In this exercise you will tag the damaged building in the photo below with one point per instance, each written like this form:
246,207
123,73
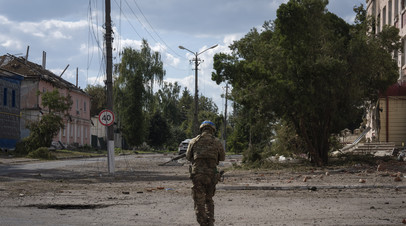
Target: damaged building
387,117
37,79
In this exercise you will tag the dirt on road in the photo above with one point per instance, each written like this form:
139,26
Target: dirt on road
143,193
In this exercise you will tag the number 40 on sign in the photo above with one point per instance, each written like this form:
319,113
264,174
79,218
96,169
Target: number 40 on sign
106,117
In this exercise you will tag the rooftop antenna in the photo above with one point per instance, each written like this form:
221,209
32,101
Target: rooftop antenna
44,59
64,70
26,55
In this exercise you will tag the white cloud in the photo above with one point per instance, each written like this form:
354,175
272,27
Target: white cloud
11,43
187,82
85,49
171,60
51,29
158,47
4,20
95,80
60,35
136,44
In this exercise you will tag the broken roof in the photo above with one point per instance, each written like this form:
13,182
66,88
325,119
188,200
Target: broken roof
10,76
32,70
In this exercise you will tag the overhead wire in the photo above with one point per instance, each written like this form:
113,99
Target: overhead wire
157,34
135,15
94,40
128,20
118,59
145,28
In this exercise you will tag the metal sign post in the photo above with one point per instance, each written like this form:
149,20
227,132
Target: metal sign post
106,118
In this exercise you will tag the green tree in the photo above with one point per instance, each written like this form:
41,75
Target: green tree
55,107
159,131
98,98
186,107
133,88
152,67
168,102
311,69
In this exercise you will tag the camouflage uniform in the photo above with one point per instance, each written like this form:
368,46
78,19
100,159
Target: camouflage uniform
204,151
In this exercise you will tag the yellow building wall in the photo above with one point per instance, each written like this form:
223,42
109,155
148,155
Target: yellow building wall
393,120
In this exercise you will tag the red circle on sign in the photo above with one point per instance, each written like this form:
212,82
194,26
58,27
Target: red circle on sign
106,117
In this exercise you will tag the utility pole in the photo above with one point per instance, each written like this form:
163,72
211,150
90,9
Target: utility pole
109,84
225,120
196,112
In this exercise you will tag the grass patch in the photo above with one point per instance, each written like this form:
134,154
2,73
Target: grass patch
87,153
62,154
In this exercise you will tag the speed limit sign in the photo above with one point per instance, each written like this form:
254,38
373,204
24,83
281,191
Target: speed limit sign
106,117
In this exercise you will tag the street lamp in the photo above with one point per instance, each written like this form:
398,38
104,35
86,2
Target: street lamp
195,114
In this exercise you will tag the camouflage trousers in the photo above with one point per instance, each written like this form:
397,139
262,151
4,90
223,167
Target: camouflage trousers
204,187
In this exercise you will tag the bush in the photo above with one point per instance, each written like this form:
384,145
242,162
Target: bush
286,142
41,153
22,148
252,154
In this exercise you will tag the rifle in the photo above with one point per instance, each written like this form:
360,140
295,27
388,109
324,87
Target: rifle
220,176
174,159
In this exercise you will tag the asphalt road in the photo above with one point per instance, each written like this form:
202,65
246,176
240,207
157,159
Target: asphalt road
81,192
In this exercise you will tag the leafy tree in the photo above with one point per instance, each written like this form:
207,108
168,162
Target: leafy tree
311,69
168,102
133,88
152,67
98,97
55,107
186,108
159,131
129,93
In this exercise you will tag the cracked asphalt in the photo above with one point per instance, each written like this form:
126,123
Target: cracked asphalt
82,192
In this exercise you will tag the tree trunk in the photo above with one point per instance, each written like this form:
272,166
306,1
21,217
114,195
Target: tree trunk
317,148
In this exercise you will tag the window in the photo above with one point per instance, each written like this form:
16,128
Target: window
77,104
390,12
396,7
13,98
403,52
5,97
86,132
378,24
84,106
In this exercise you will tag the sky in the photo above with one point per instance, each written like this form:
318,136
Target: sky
71,32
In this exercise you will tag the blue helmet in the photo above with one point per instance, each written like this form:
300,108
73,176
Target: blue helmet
209,124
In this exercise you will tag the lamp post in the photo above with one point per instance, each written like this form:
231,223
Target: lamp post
197,62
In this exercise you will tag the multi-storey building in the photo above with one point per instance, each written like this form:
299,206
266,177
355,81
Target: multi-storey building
37,79
392,13
387,118
10,84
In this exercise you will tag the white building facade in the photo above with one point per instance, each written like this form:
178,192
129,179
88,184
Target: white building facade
387,118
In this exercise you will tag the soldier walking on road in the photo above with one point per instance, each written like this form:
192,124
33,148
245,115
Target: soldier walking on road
205,151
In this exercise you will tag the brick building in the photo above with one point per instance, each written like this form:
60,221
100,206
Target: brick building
9,108
38,79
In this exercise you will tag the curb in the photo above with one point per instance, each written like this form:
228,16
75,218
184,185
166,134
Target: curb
312,188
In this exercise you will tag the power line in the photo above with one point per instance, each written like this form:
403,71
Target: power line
157,34
95,39
140,21
132,26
